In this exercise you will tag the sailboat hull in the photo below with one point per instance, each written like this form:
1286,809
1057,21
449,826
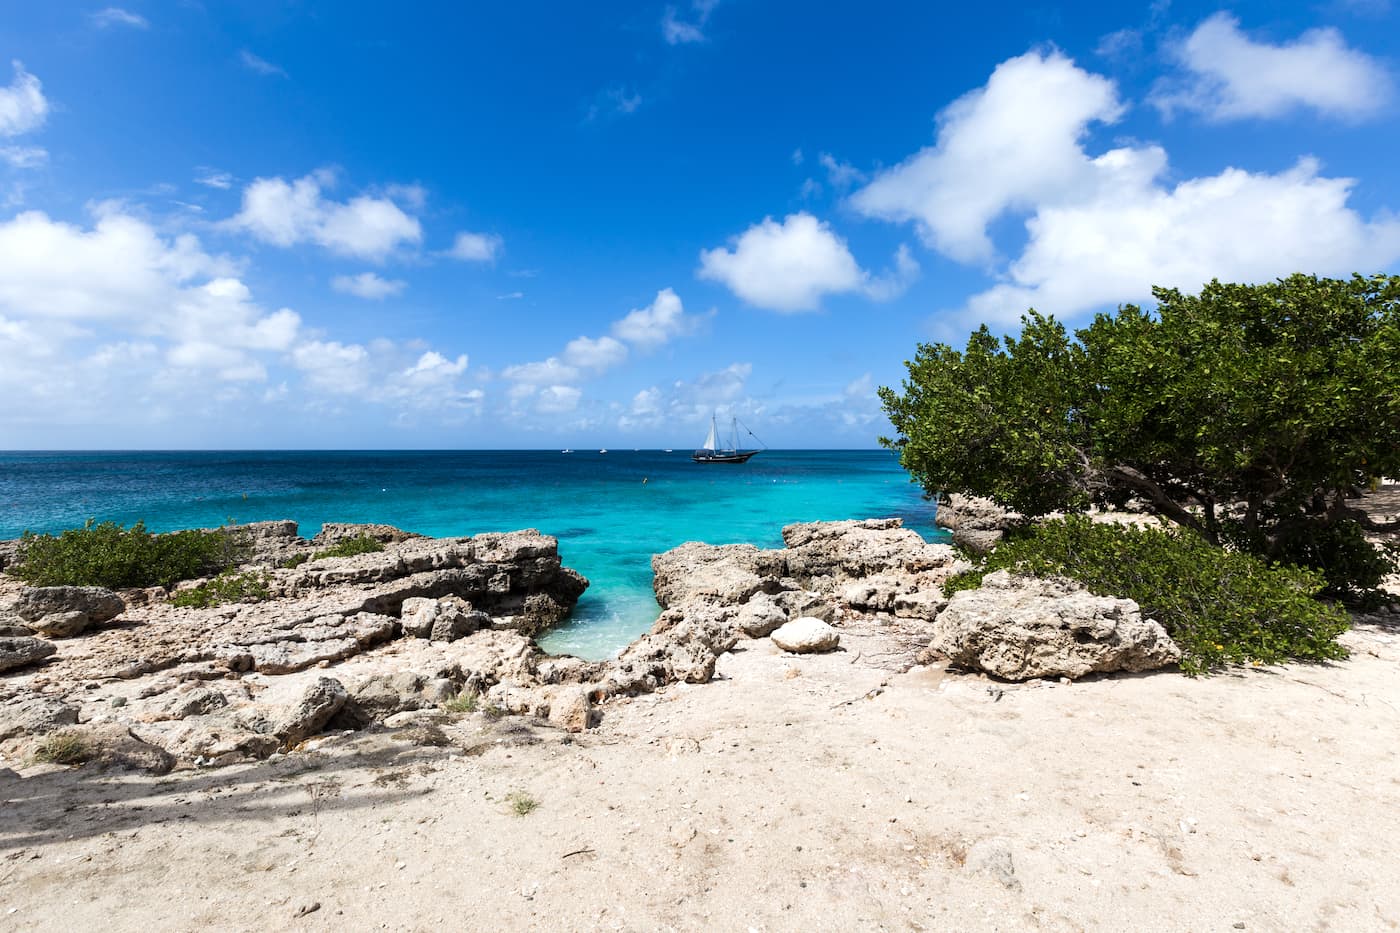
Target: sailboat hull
726,456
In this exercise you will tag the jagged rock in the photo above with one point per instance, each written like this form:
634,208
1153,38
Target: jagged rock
20,650
95,604
14,628
1021,627
382,695
112,745
798,603
681,647
297,644
335,532
923,603
760,616
976,523
570,709
220,738
61,624
318,703
725,574
806,635
267,542
446,619
860,549
35,715
198,701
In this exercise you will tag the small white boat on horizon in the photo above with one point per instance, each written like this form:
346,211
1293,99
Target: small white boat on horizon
603,451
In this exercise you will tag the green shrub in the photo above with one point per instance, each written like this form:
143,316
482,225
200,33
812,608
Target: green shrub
349,547
1351,567
228,587
296,560
464,702
1221,607
109,555
522,803
62,748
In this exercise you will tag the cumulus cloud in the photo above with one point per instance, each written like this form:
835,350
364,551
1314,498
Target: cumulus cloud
1231,76
1101,230
691,401
659,322
116,16
598,355
476,247
289,213
121,276
1009,145
554,400
551,370
368,285
23,106
1236,226
385,372
791,266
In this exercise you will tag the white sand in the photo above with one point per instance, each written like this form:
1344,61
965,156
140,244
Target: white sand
1263,800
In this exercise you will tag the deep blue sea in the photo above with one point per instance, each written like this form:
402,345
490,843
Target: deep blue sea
611,512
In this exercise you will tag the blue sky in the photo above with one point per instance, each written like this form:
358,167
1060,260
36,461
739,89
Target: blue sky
342,224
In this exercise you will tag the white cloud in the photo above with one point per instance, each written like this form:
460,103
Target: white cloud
116,16
24,157
691,402
122,277
554,400
333,367
659,322
367,285
476,247
840,174
678,31
1231,76
212,178
598,355
287,213
260,65
1101,230
1007,146
789,267
613,101
1237,226
552,370
23,106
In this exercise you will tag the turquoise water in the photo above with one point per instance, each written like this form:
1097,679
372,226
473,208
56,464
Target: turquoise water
610,512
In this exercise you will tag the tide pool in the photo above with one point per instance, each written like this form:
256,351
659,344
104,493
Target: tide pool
611,512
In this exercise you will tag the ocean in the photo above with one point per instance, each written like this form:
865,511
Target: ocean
611,512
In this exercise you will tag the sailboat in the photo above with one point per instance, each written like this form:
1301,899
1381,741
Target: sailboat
712,453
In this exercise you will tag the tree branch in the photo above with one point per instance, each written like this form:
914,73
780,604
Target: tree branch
1164,504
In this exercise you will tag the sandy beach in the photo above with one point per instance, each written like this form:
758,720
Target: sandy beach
815,792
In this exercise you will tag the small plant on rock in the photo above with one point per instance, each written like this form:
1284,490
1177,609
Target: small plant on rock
349,547
228,587
62,748
464,702
287,563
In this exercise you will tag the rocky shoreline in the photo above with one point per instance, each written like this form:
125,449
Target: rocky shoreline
398,636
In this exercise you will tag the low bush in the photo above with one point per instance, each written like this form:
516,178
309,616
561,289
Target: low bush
296,560
62,748
109,555
228,587
1221,607
464,702
349,547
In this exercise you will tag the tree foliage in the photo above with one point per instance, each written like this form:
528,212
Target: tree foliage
1247,413
109,555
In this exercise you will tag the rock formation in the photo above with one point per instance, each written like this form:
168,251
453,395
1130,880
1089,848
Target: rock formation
976,523
1021,627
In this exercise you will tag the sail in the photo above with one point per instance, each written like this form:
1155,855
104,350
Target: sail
710,440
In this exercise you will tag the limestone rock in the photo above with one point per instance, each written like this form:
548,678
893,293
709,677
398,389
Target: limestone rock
760,616
724,574
17,651
318,703
1019,627
976,523
335,532
35,715
570,709
806,635
860,549
97,603
112,745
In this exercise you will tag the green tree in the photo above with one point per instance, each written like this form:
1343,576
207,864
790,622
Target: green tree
1247,413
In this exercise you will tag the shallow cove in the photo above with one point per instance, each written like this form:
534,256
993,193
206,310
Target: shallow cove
611,512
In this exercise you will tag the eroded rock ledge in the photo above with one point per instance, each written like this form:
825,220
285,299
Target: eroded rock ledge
342,643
